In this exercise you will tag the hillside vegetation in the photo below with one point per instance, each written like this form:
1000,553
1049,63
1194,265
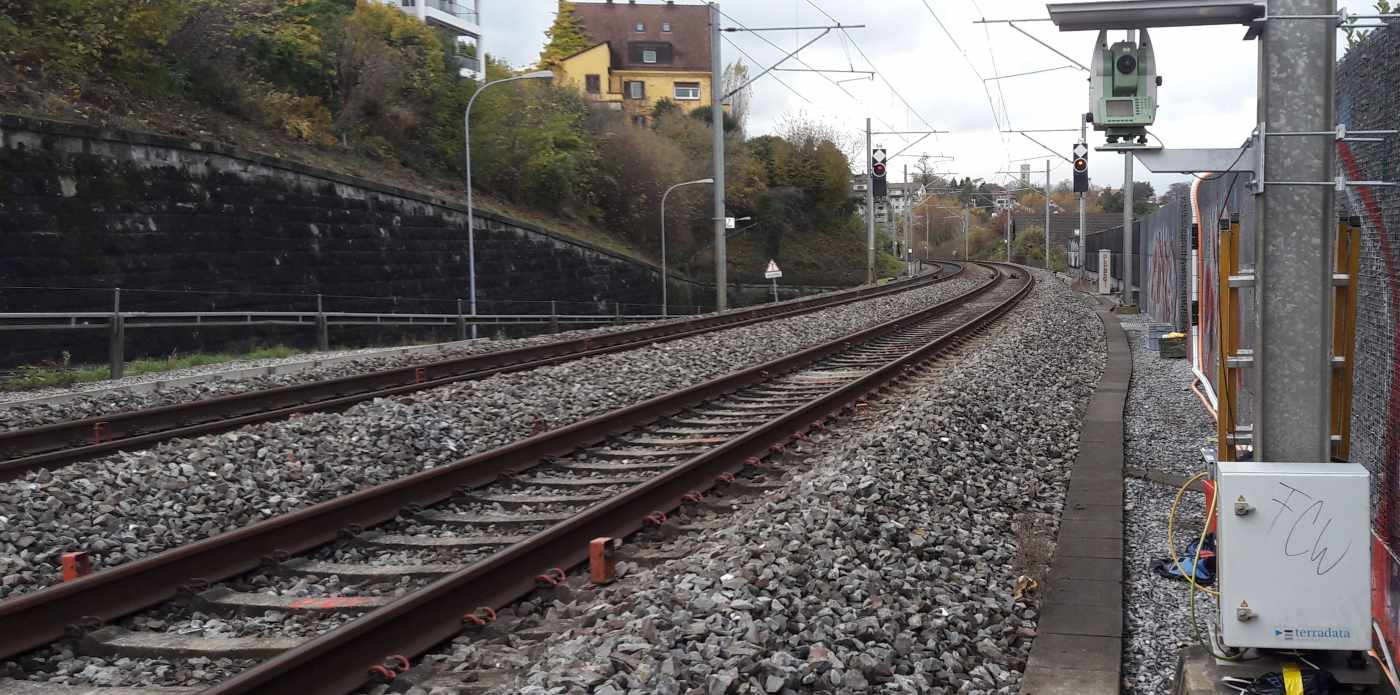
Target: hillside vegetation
361,88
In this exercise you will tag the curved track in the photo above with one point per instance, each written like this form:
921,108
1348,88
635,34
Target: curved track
520,514
59,444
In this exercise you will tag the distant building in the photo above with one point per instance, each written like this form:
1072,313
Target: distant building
641,54
461,19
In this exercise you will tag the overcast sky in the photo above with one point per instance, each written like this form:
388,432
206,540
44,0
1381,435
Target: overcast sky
1207,98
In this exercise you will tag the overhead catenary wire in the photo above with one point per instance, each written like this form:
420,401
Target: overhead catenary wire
873,67
991,103
759,65
798,59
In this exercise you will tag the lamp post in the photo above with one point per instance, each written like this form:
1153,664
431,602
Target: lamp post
663,236
467,145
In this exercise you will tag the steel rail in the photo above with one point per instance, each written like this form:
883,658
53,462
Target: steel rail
58,444
41,617
338,661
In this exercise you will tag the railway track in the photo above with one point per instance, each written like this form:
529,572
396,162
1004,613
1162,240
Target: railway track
59,444
473,536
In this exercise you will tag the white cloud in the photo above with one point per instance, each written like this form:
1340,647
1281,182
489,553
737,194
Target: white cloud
1207,99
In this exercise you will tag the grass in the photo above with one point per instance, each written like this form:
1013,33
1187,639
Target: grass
29,377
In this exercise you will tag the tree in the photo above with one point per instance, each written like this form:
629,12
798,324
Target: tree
1144,199
565,37
1177,191
735,74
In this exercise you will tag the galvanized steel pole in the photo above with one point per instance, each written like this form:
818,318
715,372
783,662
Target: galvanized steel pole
1083,218
1128,218
717,140
1293,260
869,210
1047,214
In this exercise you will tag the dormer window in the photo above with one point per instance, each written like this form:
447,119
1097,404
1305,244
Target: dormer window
648,56
666,27
639,27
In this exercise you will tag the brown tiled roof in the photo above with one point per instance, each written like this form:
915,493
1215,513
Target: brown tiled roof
613,22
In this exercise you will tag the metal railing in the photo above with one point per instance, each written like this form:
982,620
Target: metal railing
117,321
455,9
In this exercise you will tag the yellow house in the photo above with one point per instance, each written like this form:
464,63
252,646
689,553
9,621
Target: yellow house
645,53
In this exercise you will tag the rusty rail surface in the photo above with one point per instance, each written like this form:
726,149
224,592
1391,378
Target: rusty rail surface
56,445
335,662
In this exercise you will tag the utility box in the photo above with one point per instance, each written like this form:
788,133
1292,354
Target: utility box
1294,555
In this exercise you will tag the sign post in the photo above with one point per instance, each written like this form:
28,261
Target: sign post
1105,271
773,273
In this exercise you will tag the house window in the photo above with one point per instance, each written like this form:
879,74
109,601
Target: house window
688,91
650,52
592,84
636,90
666,27
639,26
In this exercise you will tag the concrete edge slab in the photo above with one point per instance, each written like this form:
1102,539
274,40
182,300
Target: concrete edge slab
1077,651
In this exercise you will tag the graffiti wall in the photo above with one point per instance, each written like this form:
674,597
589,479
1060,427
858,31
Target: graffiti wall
1368,98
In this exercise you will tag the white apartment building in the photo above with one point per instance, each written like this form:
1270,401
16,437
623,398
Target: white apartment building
462,19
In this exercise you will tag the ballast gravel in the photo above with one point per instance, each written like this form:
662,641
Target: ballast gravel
134,504
100,398
890,566
16,414
1165,428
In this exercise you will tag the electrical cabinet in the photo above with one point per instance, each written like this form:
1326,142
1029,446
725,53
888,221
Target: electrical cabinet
1293,556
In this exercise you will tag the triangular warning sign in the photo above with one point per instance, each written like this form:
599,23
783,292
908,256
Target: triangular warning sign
772,266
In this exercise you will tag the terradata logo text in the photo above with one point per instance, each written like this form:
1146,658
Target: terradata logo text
1312,633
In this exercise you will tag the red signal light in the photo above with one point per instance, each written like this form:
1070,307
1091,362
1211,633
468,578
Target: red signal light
1081,164
878,169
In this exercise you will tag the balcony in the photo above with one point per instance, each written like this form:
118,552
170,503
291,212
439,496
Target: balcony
458,10
458,17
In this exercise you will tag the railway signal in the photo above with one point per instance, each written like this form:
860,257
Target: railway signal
1081,168
877,172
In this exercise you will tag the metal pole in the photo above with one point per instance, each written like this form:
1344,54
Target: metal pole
553,316
1008,235
1083,217
117,333
967,243
1047,214
663,251
461,322
869,211
1128,229
467,149
717,138
471,216
1293,260
323,333
1128,218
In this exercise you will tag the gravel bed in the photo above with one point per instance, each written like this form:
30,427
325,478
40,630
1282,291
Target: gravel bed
1165,428
15,414
7,397
889,566
133,504
18,415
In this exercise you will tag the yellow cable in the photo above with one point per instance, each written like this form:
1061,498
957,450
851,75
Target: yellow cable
1171,535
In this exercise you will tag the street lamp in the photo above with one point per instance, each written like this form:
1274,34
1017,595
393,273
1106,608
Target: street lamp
467,142
663,236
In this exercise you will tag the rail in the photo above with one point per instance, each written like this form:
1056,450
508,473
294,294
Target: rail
336,661
58,444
